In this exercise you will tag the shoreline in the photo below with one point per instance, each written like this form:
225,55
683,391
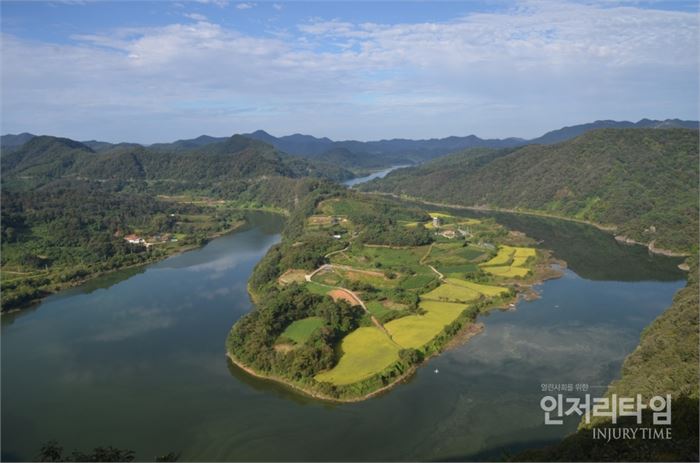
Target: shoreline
543,271
175,252
317,395
606,228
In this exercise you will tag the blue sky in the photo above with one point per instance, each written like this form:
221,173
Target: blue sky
158,71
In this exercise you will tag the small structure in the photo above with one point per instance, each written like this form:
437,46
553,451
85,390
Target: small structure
436,222
134,239
337,237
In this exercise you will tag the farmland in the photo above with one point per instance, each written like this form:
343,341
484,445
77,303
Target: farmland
412,278
366,351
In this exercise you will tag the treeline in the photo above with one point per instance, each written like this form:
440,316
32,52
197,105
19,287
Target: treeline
46,158
253,337
68,230
644,181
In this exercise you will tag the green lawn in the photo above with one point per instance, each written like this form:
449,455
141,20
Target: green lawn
300,330
366,351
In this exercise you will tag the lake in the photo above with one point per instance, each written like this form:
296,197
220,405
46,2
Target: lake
136,360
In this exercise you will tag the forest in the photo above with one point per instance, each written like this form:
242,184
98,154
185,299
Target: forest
641,181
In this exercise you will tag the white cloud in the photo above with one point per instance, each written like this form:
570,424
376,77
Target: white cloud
245,5
517,72
219,3
195,16
277,6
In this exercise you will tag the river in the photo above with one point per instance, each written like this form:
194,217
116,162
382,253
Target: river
136,360
378,174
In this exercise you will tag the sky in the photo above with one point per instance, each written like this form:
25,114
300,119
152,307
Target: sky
159,71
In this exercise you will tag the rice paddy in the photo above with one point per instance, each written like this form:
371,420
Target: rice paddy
366,351
415,331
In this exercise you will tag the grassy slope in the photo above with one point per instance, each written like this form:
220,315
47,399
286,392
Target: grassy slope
631,178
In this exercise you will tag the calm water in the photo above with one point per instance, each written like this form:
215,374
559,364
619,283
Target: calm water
379,174
137,361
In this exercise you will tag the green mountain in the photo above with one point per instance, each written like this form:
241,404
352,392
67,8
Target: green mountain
643,181
46,158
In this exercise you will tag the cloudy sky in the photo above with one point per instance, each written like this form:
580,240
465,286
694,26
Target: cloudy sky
159,71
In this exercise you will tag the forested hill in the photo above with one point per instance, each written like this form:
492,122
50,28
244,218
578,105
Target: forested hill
373,154
46,158
644,181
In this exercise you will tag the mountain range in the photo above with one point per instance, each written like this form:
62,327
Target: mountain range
642,181
372,154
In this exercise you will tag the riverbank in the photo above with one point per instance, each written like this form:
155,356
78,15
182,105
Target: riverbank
462,330
56,287
603,227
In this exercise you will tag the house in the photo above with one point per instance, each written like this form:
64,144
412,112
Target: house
436,222
134,239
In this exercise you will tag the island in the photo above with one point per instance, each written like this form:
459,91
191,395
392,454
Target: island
363,289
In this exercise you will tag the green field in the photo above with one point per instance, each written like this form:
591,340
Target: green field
486,290
452,293
377,258
377,309
366,351
316,288
415,331
300,330
417,281
330,278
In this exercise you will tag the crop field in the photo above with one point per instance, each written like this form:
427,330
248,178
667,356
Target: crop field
525,252
366,351
300,330
510,262
373,278
507,271
486,290
417,281
504,256
452,293
455,270
368,257
415,331
378,309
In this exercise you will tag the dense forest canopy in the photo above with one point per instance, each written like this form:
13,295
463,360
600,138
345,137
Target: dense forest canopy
644,181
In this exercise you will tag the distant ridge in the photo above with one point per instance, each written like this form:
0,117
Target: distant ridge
379,153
